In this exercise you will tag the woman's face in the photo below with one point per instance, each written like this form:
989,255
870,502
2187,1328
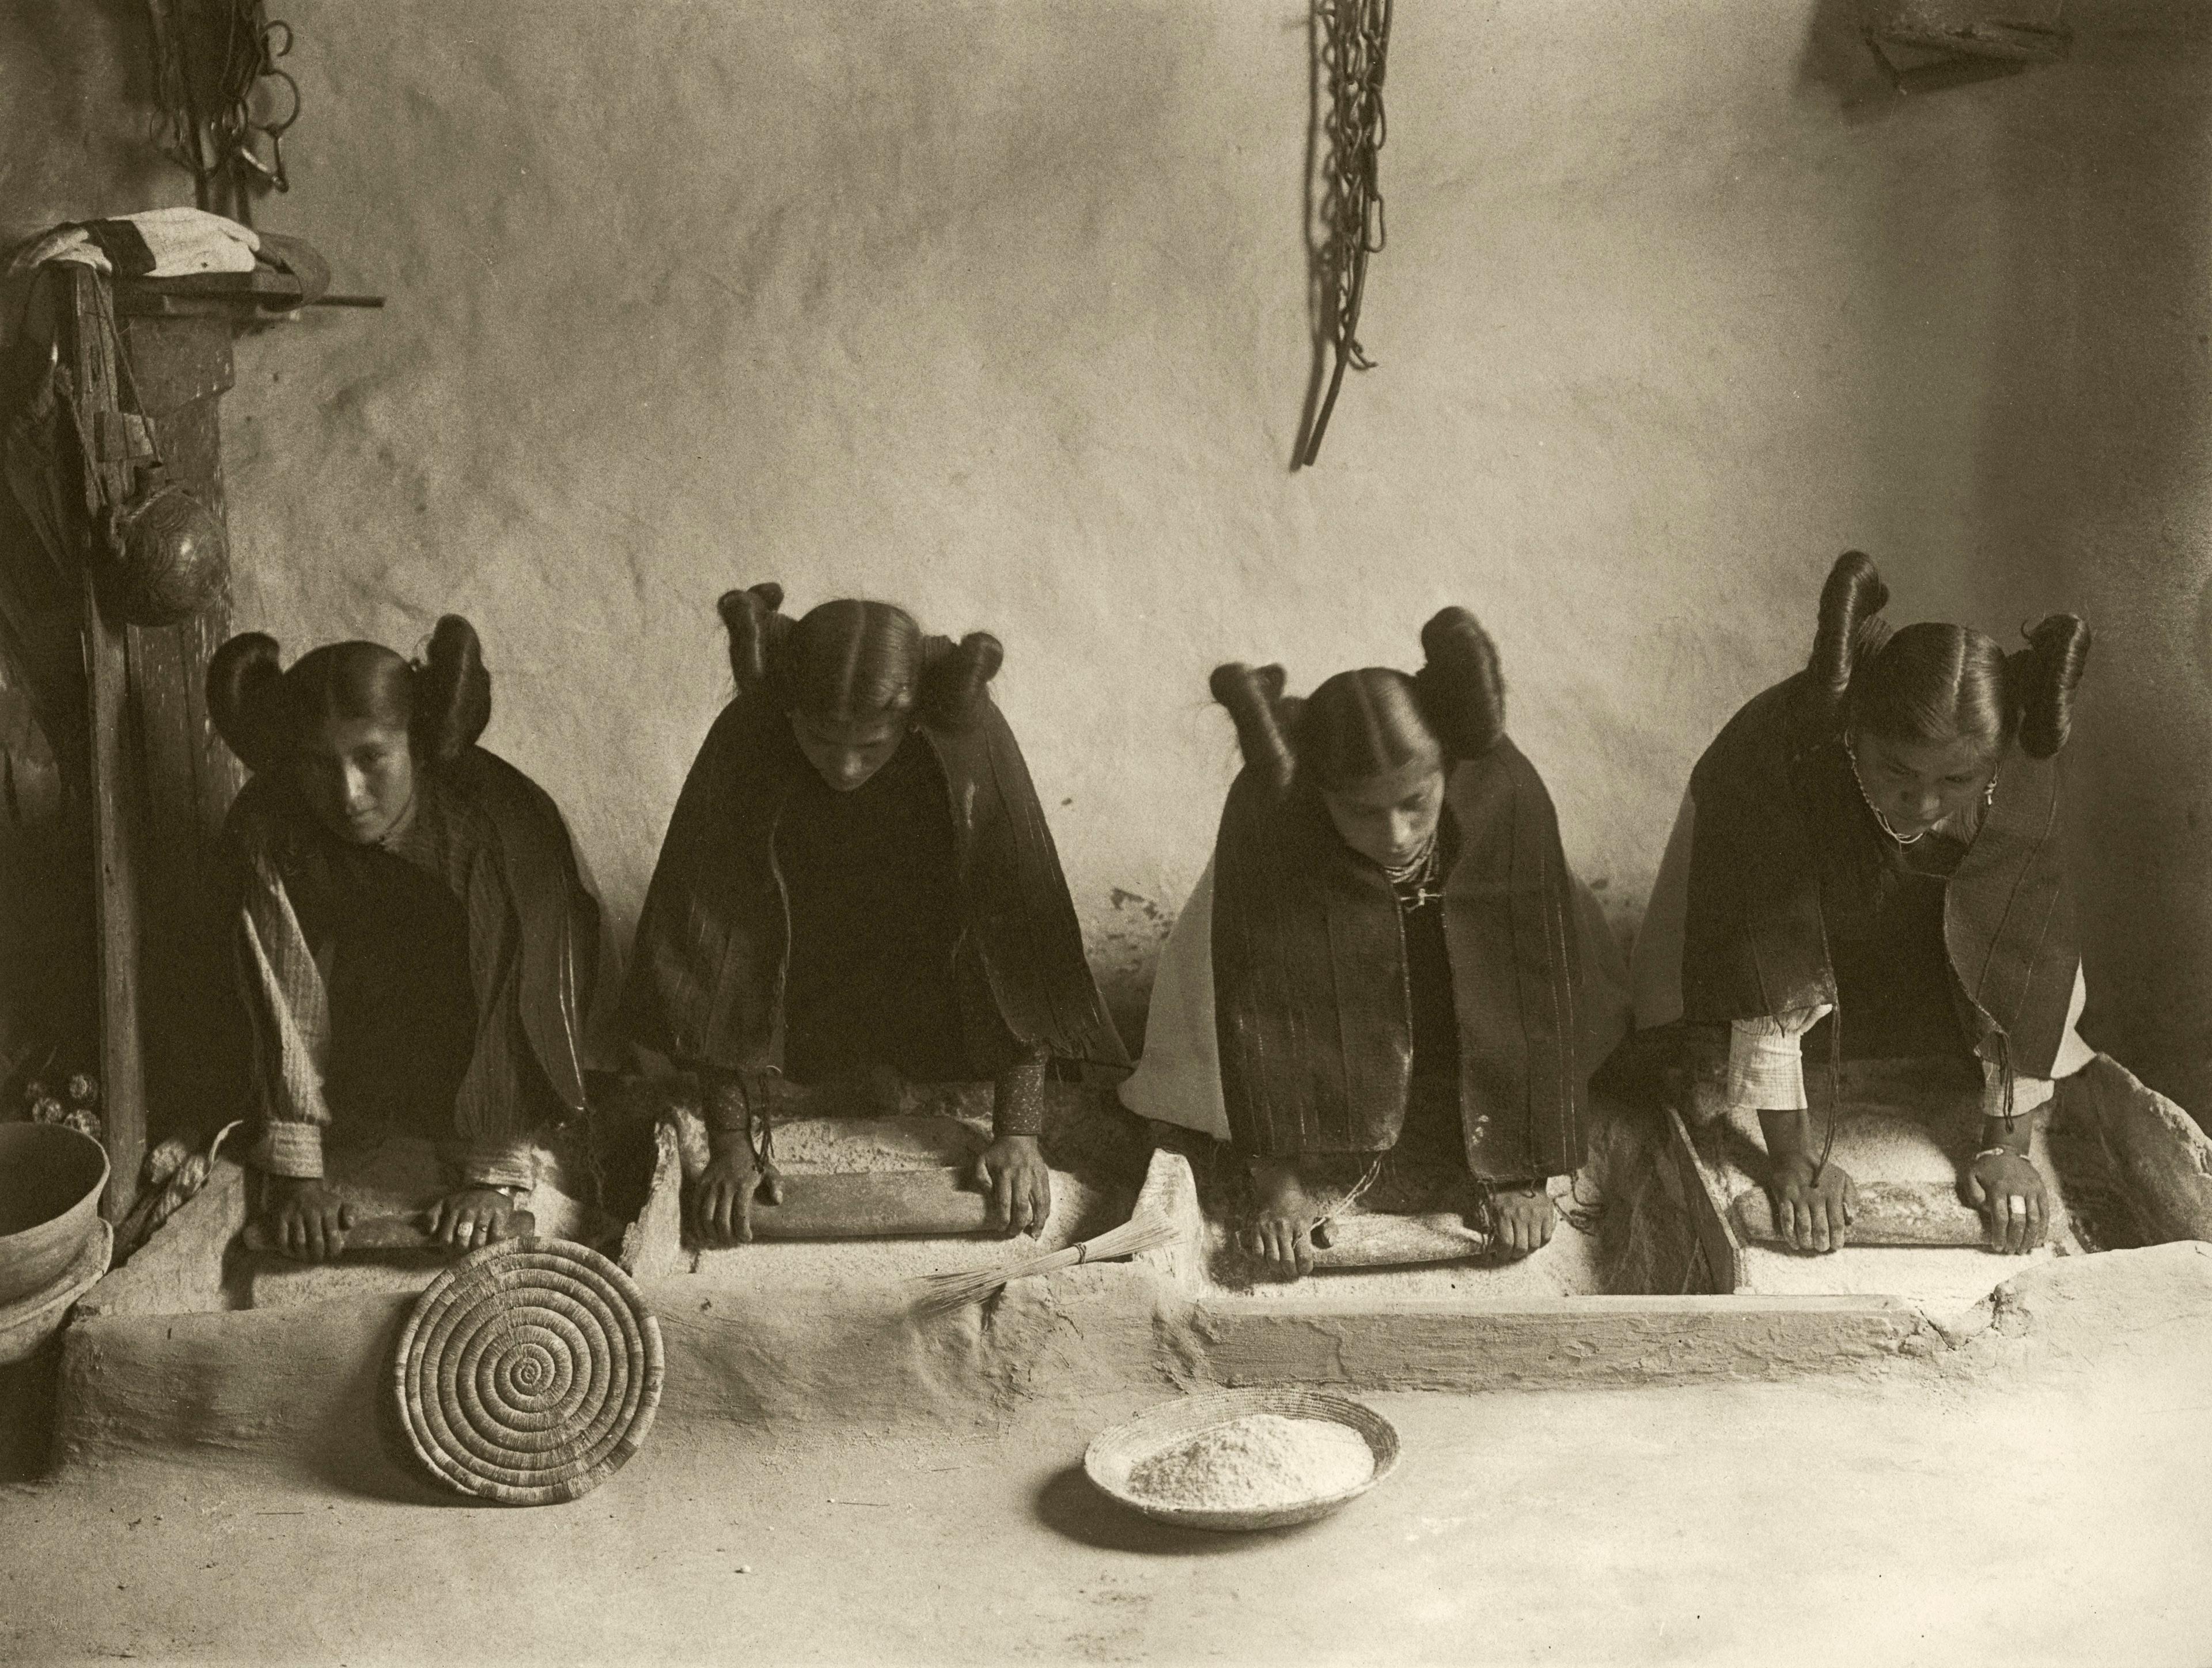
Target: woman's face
1916,785
1390,820
358,777
846,752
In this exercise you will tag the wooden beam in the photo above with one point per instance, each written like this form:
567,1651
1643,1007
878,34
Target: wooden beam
1476,1344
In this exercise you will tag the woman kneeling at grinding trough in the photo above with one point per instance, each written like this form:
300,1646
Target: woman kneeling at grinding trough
1874,845
416,942
858,876
1387,956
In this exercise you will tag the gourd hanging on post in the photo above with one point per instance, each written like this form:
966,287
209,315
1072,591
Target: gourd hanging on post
1354,39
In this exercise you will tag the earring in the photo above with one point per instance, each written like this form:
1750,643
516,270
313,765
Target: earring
1989,794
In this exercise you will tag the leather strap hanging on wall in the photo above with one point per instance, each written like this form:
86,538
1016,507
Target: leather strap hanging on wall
1352,40
219,94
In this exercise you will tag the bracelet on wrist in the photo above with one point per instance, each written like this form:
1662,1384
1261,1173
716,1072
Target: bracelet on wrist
1018,1098
731,1099
1996,1152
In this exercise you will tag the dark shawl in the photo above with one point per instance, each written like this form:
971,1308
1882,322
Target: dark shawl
706,975
1311,999
504,851
1785,841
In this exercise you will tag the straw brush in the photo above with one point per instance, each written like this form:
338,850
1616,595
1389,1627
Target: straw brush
941,1294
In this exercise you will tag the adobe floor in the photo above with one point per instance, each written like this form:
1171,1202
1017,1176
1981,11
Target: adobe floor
2058,1509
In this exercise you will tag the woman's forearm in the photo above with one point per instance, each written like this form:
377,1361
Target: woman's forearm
1788,1134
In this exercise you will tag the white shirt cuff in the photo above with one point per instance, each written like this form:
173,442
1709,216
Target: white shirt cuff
1766,1066
292,1149
500,1164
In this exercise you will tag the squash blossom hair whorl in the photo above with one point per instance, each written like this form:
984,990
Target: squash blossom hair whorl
442,701
1254,696
851,659
1849,629
1461,690
246,701
452,694
757,630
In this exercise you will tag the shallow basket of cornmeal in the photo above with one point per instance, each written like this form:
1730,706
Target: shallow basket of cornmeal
1238,1459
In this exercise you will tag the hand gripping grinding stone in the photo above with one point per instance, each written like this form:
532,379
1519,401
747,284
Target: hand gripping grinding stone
529,1372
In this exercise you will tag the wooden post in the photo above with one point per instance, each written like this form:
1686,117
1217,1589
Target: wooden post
115,824
179,369
116,937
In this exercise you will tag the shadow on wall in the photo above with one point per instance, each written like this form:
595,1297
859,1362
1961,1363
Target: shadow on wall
1835,63
2040,325
2093,478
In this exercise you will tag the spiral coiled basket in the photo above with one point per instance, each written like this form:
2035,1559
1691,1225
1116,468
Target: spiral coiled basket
529,1372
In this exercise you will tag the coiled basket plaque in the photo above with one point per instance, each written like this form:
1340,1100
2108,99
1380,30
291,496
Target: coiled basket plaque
529,1372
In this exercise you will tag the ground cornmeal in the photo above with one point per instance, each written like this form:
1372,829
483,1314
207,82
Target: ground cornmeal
1258,1462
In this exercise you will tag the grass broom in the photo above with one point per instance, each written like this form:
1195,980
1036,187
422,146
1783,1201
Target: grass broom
941,1294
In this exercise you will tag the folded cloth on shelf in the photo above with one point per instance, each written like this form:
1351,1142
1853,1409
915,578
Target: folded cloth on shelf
158,243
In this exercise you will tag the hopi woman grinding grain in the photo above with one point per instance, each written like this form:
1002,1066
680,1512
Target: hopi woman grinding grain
858,876
1874,843
415,941
1387,954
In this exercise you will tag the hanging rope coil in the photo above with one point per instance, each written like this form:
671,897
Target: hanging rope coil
1355,45
211,60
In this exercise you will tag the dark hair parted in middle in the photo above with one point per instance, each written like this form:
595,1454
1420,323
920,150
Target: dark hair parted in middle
442,701
1371,721
851,659
1934,682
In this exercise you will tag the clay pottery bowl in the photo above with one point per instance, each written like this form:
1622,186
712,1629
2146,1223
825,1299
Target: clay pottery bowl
51,1179
1114,1453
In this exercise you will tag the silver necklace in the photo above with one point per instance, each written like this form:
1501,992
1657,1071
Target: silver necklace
1867,799
1420,874
1989,798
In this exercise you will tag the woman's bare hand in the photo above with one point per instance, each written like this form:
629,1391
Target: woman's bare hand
2007,1190
1013,1171
726,1190
305,1218
1814,1207
471,1217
